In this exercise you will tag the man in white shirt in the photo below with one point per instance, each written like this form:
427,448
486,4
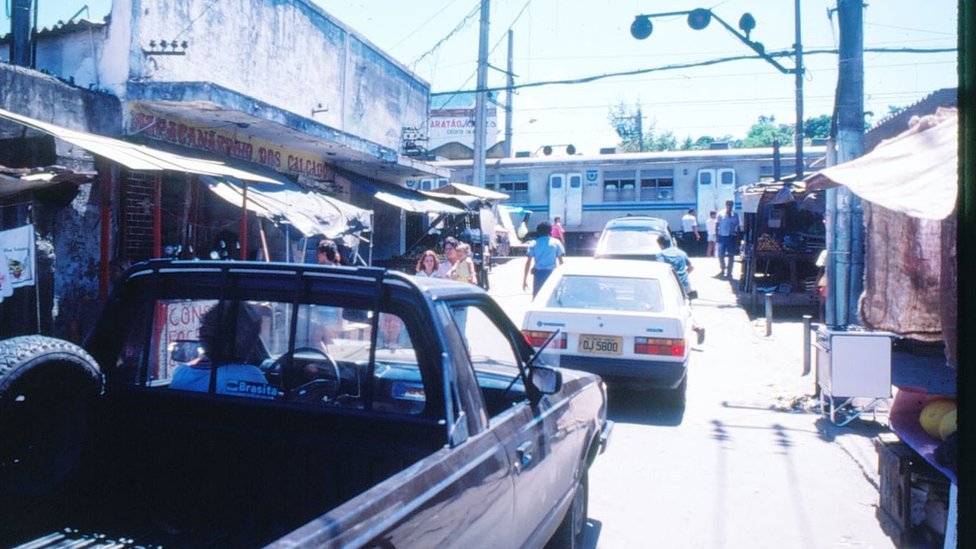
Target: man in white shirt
689,232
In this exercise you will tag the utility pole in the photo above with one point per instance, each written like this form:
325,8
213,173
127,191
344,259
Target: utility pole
798,53
478,169
844,215
509,92
640,130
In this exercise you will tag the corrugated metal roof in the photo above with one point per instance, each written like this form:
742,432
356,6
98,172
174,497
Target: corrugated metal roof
136,157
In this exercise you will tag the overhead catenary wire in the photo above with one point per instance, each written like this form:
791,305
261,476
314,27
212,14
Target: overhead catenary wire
464,22
675,66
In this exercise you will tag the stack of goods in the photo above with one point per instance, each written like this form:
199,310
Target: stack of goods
766,243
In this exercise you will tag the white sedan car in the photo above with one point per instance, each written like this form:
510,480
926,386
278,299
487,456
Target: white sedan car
626,320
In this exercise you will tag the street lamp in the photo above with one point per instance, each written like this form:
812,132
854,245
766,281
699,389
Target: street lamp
700,18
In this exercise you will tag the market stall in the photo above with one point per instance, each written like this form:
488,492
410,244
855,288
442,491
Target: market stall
909,185
783,235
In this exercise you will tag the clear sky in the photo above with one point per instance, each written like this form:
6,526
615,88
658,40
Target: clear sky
570,39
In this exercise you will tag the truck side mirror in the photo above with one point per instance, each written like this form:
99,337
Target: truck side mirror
547,380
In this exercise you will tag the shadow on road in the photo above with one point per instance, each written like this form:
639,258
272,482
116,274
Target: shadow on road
644,407
857,428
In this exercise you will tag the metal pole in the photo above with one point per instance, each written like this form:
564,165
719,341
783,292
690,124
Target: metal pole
798,49
769,314
847,270
509,92
640,130
478,173
806,344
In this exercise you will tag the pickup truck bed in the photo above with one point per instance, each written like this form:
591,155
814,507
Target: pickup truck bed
182,472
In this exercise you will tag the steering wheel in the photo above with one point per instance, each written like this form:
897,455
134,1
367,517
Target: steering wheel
323,388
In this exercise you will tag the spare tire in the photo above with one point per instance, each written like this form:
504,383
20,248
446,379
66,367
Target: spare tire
47,388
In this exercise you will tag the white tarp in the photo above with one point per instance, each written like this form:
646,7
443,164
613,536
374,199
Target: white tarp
914,173
309,212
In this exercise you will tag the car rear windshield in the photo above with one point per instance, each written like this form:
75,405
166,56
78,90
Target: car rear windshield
630,240
616,293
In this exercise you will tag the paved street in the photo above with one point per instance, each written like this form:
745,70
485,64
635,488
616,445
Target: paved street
745,464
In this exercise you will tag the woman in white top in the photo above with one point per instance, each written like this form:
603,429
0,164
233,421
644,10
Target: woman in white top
427,265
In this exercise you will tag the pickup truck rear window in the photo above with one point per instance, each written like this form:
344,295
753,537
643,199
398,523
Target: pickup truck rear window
315,355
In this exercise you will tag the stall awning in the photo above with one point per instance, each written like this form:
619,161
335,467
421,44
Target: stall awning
40,179
136,157
406,199
461,188
462,200
309,212
914,173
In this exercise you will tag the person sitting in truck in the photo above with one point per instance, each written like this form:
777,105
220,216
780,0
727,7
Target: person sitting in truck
231,351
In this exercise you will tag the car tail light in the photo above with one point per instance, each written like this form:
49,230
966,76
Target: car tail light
657,346
536,338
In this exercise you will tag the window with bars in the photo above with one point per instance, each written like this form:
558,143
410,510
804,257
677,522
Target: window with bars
657,188
517,191
619,190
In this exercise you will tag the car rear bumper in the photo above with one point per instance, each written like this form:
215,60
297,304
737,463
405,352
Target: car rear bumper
637,374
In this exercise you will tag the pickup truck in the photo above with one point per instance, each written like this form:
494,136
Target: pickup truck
244,404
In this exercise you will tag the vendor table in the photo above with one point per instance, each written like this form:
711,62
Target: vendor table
760,259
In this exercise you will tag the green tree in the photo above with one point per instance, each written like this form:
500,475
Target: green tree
629,127
817,127
765,131
665,141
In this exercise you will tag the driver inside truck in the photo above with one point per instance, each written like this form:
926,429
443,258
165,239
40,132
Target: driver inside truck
230,337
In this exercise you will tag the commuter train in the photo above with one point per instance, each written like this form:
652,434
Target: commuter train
586,191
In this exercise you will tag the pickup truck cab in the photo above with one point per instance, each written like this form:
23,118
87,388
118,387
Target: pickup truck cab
237,404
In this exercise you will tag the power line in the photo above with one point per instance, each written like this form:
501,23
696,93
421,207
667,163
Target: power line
422,25
455,30
588,79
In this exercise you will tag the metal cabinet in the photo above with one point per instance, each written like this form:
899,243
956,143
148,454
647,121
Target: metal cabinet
852,364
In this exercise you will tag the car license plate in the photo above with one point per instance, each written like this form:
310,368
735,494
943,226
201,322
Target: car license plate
600,345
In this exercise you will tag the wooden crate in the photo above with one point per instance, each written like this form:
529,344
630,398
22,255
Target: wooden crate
894,466
901,469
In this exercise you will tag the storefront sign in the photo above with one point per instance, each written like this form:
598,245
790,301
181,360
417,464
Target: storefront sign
231,144
457,126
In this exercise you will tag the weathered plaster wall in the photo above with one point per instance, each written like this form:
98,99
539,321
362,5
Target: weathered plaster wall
288,53
67,242
72,56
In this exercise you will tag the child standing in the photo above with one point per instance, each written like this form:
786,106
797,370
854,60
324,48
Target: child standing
463,270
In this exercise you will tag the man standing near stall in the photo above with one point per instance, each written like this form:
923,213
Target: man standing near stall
727,226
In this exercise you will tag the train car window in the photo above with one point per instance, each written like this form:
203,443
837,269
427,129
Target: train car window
726,176
665,189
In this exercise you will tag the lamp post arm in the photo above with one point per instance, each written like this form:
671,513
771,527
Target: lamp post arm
756,47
